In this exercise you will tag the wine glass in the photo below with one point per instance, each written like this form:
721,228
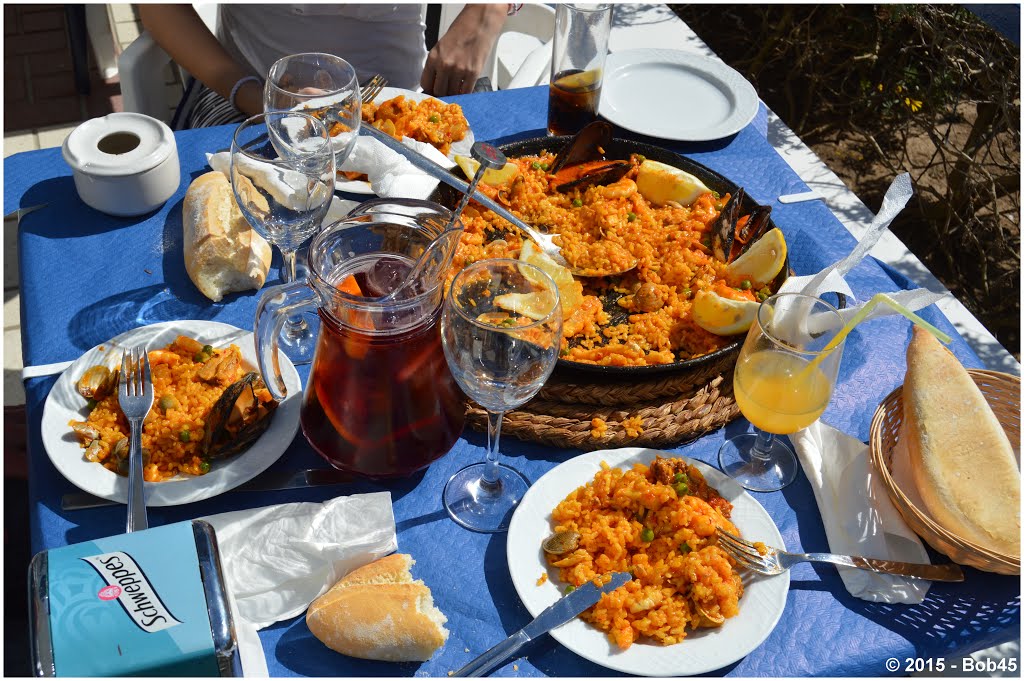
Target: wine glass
783,382
282,174
322,85
501,329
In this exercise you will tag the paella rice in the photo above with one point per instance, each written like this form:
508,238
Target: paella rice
188,380
639,318
430,120
658,523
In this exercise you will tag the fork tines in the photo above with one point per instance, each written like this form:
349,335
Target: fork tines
744,552
373,88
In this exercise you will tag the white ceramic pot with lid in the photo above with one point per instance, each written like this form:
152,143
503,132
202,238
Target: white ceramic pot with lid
124,164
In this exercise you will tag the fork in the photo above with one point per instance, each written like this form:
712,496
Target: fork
776,561
135,396
373,88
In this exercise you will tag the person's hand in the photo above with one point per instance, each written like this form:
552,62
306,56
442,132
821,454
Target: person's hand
455,63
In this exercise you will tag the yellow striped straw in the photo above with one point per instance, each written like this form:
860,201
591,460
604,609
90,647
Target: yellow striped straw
859,317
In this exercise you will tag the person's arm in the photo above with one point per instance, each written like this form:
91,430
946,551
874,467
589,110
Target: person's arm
184,36
456,61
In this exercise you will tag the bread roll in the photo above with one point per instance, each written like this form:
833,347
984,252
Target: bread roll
962,461
377,612
222,252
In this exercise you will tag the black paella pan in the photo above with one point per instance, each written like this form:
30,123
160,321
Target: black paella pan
618,148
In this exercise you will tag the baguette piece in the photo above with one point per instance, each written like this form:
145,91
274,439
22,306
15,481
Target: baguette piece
378,612
962,462
222,252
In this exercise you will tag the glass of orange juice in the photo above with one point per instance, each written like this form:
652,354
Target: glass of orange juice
783,382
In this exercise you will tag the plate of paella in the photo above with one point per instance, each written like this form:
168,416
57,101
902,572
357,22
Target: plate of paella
684,254
213,424
687,610
416,115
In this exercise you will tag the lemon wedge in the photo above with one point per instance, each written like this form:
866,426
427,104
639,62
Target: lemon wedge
536,305
581,81
762,261
569,290
723,316
495,177
660,183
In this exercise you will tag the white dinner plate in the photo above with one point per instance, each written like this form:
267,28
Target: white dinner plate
461,147
675,95
704,650
64,404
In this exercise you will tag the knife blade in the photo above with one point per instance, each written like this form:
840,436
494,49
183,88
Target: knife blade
441,173
268,481
557,614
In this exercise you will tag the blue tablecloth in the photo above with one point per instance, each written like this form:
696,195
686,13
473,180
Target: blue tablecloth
86,277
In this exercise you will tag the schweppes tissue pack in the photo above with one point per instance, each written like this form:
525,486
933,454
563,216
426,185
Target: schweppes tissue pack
149,603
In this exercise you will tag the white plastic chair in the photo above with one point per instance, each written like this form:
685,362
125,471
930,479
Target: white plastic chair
522,53
141,70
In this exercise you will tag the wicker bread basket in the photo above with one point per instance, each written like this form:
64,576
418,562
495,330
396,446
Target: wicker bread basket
1002,392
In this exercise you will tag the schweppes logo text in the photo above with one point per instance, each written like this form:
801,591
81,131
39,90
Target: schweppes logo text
137,596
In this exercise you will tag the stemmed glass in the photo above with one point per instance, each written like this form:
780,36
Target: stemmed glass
282,174
320,84
783,382
501,329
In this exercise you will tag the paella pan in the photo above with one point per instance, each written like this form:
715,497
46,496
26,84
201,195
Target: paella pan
666,231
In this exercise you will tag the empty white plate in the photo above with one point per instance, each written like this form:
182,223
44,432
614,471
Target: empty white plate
675,95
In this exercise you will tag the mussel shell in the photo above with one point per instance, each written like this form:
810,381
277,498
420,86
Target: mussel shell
728,241
586,145
218,442
609,172
96,383
723,232
561,543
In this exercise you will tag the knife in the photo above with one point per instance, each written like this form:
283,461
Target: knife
441,173
268,481
563,610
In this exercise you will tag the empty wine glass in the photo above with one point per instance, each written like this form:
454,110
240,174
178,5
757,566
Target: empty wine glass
783,382
501,329
322,85
282,174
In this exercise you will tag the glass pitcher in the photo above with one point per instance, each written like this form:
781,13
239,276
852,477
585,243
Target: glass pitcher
380,400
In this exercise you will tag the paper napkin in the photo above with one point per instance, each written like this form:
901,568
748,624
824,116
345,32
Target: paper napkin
284,192
859,519
390,174
278,559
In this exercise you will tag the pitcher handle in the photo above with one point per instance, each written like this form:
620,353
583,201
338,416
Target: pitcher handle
276,304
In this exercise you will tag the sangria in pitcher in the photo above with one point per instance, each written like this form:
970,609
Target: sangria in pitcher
380,400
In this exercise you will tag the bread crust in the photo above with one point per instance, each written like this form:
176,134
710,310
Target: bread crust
378,612
962,462
222,252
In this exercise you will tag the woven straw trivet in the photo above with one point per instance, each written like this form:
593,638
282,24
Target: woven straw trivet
674,409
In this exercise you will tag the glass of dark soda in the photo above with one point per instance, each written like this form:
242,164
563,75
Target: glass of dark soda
577,65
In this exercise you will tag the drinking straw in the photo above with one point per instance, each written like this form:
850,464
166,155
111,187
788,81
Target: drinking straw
859,317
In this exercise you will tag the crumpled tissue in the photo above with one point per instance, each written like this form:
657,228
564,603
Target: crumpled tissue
390,174
286,188
859,518
278,559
